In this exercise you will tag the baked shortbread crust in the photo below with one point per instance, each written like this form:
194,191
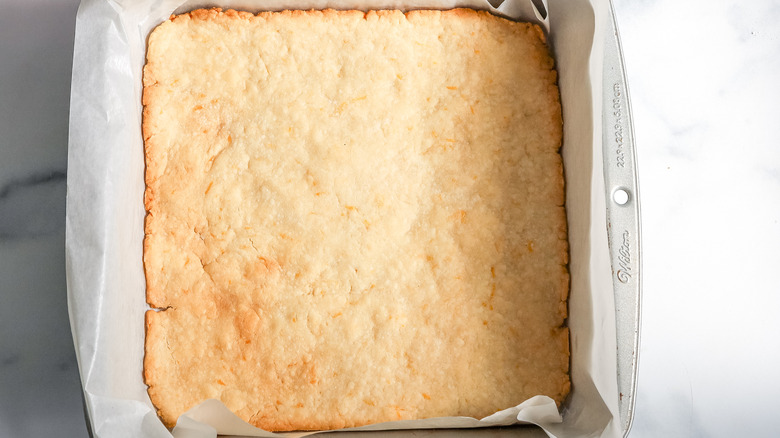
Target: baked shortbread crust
352,217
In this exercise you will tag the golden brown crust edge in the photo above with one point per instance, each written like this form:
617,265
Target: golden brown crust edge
153,335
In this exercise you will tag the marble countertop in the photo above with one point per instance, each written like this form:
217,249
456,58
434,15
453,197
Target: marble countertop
703,78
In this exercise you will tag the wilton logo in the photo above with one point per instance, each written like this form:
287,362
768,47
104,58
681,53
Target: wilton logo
624,260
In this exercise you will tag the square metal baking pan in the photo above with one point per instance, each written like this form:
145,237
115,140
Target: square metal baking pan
104,221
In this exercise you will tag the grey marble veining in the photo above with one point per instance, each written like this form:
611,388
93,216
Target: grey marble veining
32,206
703,78
39,381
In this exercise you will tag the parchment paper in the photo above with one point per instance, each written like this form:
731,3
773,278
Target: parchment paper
105,216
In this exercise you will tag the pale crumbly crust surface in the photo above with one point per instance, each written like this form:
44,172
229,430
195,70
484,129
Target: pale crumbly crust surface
352,218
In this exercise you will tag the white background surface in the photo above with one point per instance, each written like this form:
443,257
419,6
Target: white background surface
703,78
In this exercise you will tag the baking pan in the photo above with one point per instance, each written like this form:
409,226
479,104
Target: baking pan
104,223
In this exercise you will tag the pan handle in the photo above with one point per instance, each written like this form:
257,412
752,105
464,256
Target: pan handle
623,216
